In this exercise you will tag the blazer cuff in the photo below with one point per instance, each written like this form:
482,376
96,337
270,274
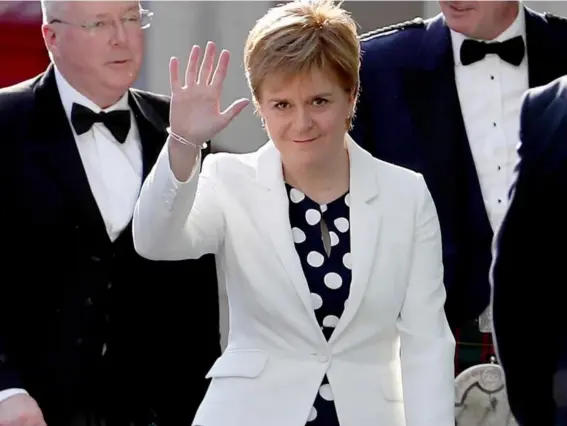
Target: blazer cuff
177,183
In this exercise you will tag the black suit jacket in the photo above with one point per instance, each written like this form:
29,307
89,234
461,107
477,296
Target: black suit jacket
409,114
67,289
529,266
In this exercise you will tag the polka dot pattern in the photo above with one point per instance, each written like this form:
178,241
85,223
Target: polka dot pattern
328,275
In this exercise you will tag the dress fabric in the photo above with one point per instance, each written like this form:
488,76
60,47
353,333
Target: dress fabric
321,234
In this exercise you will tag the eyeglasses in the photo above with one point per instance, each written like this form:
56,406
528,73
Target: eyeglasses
134,21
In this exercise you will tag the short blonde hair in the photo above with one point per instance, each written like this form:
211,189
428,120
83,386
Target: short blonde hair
296,37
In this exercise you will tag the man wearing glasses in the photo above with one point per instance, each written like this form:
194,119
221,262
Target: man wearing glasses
91,334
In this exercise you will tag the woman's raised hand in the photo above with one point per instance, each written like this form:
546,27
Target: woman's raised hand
195,104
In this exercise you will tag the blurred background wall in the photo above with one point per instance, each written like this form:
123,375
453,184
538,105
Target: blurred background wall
177,25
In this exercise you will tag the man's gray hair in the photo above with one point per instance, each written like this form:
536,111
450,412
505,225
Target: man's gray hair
51,9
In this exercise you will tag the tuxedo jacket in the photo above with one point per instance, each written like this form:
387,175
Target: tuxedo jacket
528,288
67,289
409,114
277,355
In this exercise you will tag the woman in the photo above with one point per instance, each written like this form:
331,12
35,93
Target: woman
331,258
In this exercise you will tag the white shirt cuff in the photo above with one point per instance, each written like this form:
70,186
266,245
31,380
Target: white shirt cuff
7,393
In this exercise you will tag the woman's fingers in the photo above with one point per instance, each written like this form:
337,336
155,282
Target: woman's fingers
192,65
174,83
218,77
206,71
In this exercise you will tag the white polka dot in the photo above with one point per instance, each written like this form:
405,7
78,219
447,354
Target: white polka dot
323,208
347,261
298,235
333,280
330,321
312,414
326,392
316,301
315,259
296,195
334,238
342,224
346,303
312,216
347,200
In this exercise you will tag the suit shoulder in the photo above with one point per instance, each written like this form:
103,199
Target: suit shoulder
228,160
395,33
404,186
229,168
542,97
152,97
11,96
556,20
399,173
15,102
389,46
398,177
160,103
544,108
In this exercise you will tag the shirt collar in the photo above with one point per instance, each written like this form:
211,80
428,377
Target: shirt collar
69,95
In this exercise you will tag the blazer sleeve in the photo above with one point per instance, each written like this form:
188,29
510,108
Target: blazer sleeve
427,344
527,261
178,220
15,109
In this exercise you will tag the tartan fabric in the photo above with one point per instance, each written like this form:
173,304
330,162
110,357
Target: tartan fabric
473,347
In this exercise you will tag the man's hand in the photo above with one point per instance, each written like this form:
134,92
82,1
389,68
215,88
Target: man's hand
20,410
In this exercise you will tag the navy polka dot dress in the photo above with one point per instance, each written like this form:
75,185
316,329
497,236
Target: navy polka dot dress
322,240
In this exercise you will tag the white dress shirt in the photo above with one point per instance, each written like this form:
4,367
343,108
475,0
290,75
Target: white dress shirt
490,93
114,170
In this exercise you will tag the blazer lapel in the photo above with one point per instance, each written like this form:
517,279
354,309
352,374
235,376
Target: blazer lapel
56,143
365,221
274,217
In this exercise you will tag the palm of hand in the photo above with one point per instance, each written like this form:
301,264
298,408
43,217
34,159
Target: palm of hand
195,106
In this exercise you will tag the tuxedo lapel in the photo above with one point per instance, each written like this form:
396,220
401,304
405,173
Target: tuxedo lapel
55,142
151,127
435,107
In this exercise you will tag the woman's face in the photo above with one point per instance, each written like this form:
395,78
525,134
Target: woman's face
306,116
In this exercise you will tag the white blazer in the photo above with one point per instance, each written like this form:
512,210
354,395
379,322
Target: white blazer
390,359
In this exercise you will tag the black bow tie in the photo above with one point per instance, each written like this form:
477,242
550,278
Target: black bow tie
118,122
511,51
